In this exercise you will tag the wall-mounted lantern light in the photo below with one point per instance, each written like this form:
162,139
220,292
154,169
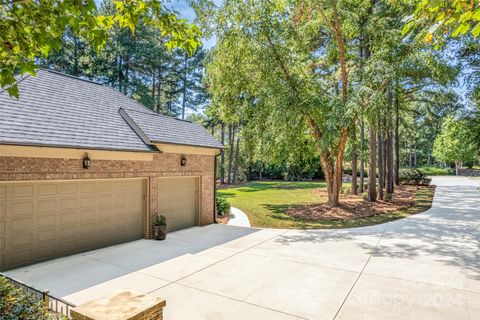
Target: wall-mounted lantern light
86,161
183,161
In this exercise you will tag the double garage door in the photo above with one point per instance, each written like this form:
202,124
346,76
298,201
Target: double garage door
47,219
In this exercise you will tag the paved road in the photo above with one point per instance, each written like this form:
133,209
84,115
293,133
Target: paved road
423,267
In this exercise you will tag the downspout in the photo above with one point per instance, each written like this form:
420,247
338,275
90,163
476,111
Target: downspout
215,187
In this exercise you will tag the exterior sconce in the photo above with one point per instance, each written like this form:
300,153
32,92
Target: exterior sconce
86,161
183,161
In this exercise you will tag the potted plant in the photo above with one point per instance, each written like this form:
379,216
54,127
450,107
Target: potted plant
160,228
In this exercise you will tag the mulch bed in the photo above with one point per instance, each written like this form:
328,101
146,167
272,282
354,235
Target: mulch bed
353,206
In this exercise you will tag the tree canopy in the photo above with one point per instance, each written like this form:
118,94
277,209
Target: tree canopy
32,29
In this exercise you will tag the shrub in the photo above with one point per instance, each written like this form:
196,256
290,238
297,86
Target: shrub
346,190
17,304
365,195
413,177
223,206
436,171
160,220
388,197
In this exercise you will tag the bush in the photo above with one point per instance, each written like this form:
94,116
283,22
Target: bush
160,220
436,171
348,170
223,206
388,197
414,177
346,190
365,196
16,304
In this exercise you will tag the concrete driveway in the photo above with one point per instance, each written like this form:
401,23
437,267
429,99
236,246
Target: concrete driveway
423,267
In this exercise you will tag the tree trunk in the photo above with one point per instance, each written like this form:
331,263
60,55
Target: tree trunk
184,93
362,155
457,166
159,93
380,159
222,155
231,140
389,145
397,141
354,160
415,155
372,170
235,166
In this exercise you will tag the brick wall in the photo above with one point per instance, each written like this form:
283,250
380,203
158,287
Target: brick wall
163,164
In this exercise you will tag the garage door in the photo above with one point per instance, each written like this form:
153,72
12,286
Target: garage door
47,219
178,201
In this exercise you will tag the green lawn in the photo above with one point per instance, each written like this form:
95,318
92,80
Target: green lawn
266,202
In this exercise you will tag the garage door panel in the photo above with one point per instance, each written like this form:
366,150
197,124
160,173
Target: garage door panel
66,232
68,188
45,252
85,230
19,207
46,220
67,217
3,192
18,223
87,202
19,257
177,201
69,203
19,190
45,189
65,248
18,241
87,187
49,204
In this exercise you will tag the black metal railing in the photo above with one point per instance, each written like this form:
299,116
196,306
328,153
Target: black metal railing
54,304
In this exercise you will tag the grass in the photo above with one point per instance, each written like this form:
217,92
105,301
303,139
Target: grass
265,204
436,171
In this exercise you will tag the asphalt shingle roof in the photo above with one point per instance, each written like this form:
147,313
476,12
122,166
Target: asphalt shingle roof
64,111
162,129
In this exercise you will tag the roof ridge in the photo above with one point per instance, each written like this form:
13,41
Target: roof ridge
71,76
157,114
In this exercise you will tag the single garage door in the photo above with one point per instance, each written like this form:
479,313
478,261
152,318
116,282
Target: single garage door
46,219
178,201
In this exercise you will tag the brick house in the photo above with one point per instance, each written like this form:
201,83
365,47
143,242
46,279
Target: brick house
83,166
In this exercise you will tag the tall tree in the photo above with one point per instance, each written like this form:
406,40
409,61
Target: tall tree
30,30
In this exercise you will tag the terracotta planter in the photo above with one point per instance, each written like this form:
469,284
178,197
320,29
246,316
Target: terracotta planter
160,232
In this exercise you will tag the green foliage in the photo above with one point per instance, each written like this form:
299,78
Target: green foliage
16,304
414,177
346,189
436,171
223,206
30,30
454,143
434,19
388,197
160,220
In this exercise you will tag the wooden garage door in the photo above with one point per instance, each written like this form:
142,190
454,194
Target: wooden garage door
46,219
178,201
